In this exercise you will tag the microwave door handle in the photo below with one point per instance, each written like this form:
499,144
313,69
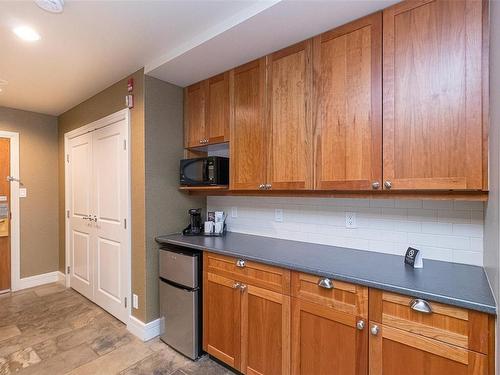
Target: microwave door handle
205,170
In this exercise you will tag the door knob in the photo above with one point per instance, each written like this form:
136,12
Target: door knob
262,186
374,330
236,285
268,186
375,185
360,325
240,263
388,184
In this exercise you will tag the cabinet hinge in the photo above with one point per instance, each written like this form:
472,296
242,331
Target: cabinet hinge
125,302
68,270
67,214
67,158
124,144
125,223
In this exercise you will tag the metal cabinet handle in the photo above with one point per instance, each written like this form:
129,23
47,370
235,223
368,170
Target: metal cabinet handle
262,186
325,283
374,329
268,186
95,218
240,263
421,305
86,218
236,285
388,184
242,287
360,325
375,185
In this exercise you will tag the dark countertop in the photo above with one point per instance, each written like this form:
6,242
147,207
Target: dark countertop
451,283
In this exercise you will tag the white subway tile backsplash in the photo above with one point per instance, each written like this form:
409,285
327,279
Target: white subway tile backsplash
442,230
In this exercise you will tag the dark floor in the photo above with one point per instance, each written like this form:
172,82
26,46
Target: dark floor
52,330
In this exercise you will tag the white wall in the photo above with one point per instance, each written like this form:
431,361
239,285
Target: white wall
443,230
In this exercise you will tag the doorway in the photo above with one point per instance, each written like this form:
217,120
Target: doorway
10,269
97,213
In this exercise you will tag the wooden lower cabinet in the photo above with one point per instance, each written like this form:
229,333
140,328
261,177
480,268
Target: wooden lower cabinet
397,352
221,319
246,326
326,341
265,334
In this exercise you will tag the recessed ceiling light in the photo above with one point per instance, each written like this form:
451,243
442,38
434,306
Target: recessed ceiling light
52,6
26,33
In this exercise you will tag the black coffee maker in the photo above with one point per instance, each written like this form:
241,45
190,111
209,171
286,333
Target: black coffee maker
195,224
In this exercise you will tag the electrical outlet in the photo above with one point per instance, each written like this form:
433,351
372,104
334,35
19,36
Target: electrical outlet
350,220
135,301
278,215
234,212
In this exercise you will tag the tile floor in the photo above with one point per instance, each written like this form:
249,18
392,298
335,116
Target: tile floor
52,330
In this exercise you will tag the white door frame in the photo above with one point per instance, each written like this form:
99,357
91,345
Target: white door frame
123,114
15,231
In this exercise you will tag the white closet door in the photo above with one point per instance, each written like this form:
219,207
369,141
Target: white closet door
110,207
81,230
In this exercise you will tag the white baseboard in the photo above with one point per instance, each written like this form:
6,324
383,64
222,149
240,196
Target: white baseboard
144,331
61,278
32,281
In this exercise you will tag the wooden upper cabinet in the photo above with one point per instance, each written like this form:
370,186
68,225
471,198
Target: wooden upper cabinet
348,106
248,127
290,164
194,115
217,109
432,67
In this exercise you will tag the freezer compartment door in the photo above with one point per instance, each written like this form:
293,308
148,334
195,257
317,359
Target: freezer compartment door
180,268
179,314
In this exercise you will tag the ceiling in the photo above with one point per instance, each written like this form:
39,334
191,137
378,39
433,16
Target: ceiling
93,44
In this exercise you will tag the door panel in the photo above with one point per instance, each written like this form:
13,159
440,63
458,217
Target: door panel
110,205
249,133
194,114
5,272
221,328
314,351
289,93
432,95
265,332
348,99
81,230
217,110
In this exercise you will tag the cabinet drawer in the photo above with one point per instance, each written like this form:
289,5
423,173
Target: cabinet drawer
342,296
257,274
449,324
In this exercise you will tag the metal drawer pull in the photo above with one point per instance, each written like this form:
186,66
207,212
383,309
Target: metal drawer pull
240,263
325,283
374,329
360,325
420,305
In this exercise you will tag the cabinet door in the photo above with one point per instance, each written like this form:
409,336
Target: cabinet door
348,105
249,132
326,341
221,319
396,352
194,115
432,95
265,332
217,115
290,164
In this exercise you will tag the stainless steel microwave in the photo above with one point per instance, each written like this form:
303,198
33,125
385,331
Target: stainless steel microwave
208,171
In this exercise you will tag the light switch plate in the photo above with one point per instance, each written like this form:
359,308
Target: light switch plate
278,215
23,193
350,220
135,301
234,212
